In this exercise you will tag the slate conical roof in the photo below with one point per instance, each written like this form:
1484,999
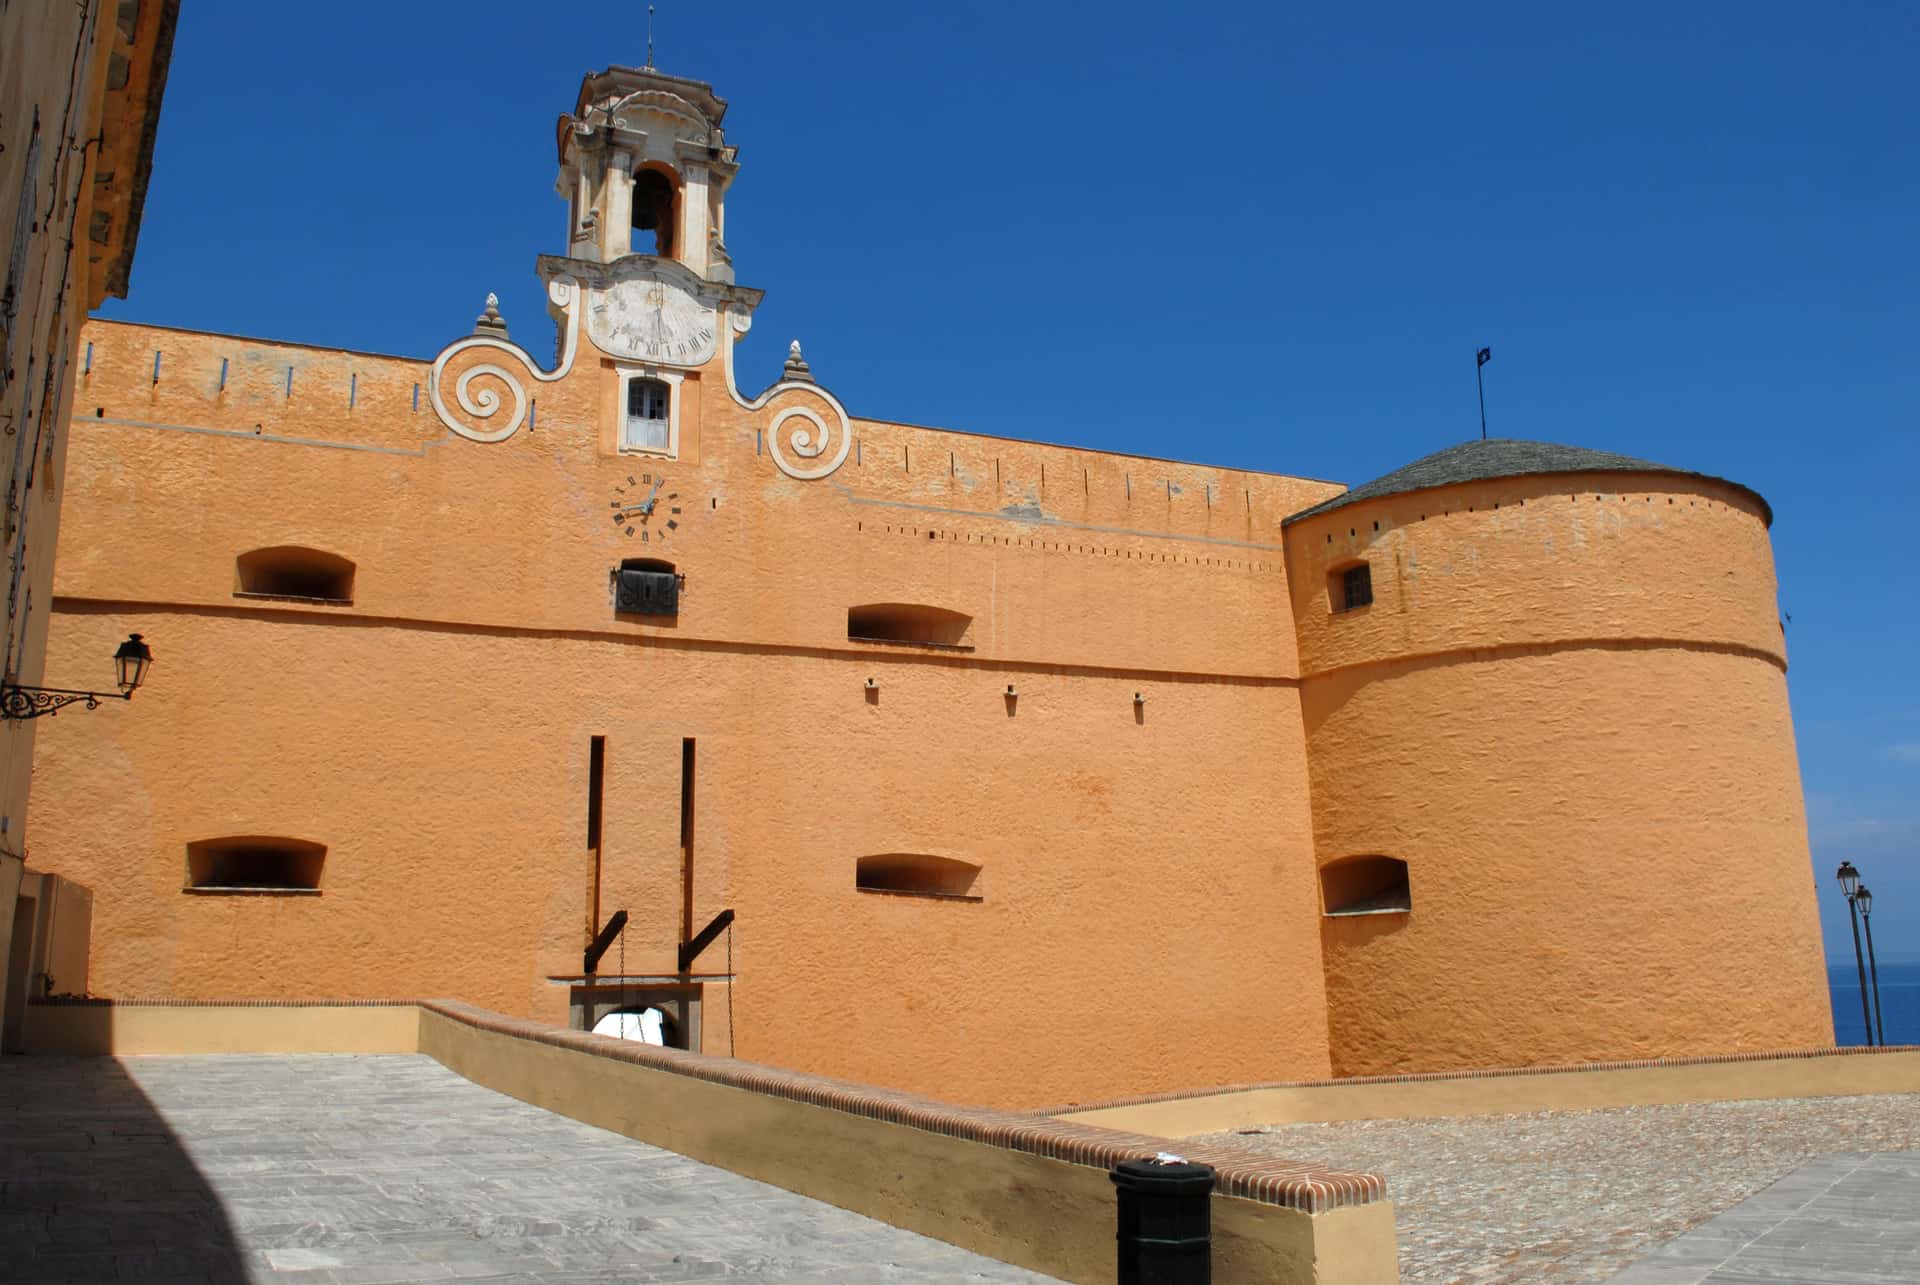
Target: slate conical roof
1479,460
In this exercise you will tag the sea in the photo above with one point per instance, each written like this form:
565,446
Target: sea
1899,1003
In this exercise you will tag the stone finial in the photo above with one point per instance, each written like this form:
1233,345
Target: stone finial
796,367
491,322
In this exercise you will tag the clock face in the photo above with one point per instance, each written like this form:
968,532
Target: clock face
646,510
649,319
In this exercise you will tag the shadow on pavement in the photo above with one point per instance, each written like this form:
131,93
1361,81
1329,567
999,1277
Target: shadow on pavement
95,1187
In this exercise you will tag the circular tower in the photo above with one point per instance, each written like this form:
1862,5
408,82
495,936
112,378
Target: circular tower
1557,808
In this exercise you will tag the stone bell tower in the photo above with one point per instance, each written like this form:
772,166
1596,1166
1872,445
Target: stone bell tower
644,167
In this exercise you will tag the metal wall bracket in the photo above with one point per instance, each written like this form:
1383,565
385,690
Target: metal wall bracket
17,701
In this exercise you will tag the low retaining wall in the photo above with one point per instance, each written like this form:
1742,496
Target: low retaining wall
97,1026
1810,1073
1020,1188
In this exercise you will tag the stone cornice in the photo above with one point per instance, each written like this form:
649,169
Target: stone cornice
592,275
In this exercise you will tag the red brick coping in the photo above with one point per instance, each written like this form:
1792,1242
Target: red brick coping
1292,1184
1487,1073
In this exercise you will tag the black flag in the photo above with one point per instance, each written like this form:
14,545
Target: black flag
1482,357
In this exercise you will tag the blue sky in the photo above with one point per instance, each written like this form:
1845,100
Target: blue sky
1688,233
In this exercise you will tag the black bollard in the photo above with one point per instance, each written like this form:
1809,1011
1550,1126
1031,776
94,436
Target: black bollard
1165,1234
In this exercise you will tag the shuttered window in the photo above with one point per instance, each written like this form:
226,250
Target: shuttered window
649,422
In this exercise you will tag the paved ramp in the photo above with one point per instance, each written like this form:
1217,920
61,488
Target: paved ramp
368,1169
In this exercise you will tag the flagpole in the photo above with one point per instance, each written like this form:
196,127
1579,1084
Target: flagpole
1479,360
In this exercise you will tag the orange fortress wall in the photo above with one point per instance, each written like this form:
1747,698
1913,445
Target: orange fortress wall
1119,694
434,734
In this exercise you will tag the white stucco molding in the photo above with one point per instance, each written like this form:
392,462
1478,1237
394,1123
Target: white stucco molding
624,113
479,407
819,440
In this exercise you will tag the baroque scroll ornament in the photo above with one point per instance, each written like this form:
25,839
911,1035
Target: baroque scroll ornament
487,416
809,443
817,447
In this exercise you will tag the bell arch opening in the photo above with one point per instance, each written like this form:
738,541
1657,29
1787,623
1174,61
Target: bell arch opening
656,206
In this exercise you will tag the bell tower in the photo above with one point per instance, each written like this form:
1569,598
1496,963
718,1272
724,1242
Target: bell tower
645,284
644,168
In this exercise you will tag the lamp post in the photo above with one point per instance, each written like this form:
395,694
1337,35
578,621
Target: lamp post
1864,900
1849,882
129,669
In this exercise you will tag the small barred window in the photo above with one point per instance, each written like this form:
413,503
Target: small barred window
1356,587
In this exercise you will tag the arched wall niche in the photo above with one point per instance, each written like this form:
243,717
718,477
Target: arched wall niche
1365,885
294,571
908,622
254,863
918,874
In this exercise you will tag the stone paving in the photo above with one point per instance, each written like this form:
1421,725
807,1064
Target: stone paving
1847,1218
368,1169
1562,1196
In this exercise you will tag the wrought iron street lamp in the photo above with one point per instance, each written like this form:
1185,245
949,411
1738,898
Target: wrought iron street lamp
130,664
1864,900
1850,883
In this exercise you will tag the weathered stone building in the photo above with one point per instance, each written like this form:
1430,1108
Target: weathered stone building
80,88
